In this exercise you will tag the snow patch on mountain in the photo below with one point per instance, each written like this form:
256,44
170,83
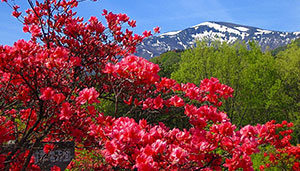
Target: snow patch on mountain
296,33
218,27
158,43
208,35
260,31
171,33
242,28
231,39
244,34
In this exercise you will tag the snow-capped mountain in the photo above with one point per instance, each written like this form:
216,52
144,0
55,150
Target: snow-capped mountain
182,39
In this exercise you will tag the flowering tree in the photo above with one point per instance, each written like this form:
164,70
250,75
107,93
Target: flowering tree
51,87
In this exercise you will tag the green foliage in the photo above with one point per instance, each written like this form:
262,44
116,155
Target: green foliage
263,158
288,64
168,62
251,73
259,159
89,160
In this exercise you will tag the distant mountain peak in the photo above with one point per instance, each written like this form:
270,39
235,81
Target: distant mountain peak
212,30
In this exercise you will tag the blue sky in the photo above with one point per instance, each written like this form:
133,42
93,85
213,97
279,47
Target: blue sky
172,15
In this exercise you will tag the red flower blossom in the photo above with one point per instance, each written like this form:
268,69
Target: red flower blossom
89,95
47,93
156,30
16,14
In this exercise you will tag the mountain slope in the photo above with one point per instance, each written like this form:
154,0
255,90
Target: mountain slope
156,45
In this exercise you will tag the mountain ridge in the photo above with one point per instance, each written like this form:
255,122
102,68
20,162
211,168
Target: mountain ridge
213,30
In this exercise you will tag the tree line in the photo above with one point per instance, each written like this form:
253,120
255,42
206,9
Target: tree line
266,84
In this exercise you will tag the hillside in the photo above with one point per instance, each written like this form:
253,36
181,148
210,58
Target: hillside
222,31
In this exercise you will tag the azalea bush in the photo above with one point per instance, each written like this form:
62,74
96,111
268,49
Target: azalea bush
52,87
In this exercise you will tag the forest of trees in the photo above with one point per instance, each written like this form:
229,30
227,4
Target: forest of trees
266,84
